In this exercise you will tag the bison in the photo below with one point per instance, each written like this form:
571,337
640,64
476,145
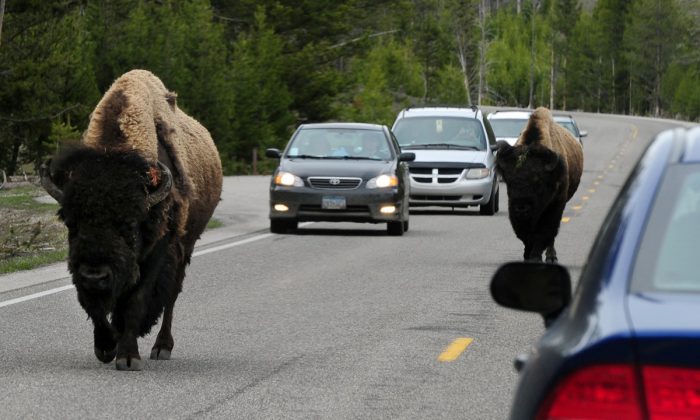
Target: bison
135,196
542,172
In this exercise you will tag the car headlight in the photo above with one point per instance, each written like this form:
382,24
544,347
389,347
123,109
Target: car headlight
383,181
478,173
288,180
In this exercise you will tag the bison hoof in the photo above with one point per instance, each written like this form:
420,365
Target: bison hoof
105,356
129,363
160,354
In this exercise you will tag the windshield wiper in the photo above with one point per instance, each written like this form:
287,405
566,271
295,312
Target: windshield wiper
305,157
439,146
348,157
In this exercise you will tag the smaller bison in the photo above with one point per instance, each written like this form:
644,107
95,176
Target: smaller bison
542,172
135,196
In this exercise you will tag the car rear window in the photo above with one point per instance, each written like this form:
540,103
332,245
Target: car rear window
417,131
669,256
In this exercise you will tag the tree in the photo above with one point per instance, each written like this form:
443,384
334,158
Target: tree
262,117
652,24
46,78
383,81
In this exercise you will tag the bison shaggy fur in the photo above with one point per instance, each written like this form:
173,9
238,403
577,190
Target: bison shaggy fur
135,196
542,172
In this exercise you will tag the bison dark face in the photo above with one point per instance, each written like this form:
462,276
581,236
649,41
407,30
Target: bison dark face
537,188
105,201
534,175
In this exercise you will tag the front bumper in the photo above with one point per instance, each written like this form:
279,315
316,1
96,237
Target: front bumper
362,205
462,192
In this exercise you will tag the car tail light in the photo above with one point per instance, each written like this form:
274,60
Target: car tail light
672,393
596,392
614,392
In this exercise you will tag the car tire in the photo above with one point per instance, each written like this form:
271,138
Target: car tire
490,208
405,225
395,228
282,226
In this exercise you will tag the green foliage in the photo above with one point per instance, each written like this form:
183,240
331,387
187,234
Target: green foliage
251,70
261,107
509,57
45,75
385,80
651,25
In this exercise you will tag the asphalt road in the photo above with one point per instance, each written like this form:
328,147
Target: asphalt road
337,321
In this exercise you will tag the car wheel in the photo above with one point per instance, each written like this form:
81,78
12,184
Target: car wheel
405,225
282,226
491,207
395,228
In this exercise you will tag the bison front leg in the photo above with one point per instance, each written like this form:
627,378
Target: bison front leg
105,344
551,254
127,320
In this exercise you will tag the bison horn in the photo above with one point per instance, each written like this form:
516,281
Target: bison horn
163,189
47,183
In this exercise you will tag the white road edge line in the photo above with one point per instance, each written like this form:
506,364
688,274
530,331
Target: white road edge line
194,254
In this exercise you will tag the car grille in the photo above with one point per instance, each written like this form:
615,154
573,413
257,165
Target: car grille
445,175
311,208
334,183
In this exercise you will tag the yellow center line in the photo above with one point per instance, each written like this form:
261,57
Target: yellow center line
453,351
579,207
585,198
591,190
565,219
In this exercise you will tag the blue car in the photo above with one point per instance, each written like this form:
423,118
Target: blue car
627,344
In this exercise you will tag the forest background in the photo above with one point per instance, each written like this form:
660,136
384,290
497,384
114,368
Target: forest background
252,70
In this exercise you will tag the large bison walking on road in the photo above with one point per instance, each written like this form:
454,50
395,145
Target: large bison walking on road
135,196
542,172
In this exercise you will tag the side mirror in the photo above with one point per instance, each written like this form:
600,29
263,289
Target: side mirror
583,133
407,157
273,153
532,287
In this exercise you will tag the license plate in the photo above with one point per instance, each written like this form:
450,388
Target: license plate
333,203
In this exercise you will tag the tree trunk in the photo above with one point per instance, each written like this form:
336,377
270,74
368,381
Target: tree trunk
532,57
552,80
614,94
2,15
462,57
482,50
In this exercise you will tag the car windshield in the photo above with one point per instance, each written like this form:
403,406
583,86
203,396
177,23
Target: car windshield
668,256
503,127
440,132
339,143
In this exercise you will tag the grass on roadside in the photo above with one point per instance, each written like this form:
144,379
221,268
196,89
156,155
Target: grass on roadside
31,235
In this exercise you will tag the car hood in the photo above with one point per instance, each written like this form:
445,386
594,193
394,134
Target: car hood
451,155
510,140
337,167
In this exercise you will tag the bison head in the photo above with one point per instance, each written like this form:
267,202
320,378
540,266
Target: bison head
534,176
106,202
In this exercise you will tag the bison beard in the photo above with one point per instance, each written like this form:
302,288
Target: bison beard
122,254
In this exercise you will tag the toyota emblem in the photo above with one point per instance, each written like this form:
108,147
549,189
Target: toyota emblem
334,181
